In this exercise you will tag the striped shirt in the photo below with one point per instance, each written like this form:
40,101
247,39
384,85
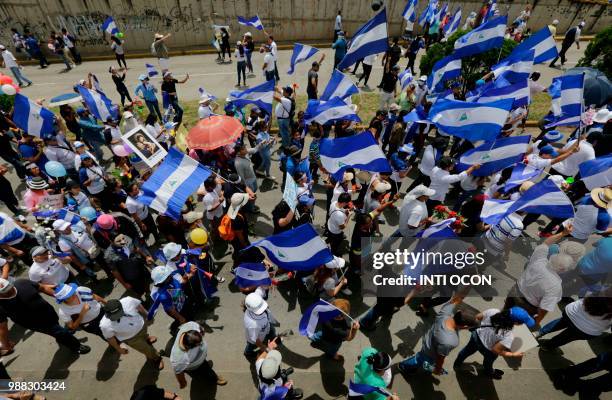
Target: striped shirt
507,230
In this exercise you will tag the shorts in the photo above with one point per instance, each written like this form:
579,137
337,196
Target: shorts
164,63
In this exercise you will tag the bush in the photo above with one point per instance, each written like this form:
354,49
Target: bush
598,53
473,67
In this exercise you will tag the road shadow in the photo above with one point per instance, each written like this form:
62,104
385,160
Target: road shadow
473,385
148,374
422,385
108,364
60,364
333,376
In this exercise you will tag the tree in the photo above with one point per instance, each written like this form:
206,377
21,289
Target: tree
598,53
473,67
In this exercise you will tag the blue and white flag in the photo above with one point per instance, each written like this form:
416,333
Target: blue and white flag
319,312
521,173
428,12
441,13
251,274
596,173
441,229
491,12
409,12
518,92
542,43
301,52
418,115
471,121
361,389
339,85
279,393
405,77
371,38
260,95
151,71
35,120
515,68
98,104
358,151
62,214
453,24
174,180
298,249
487,36
554,91
544,198
327,112
447,68
110,26
495,156
255,22
203,92
570,100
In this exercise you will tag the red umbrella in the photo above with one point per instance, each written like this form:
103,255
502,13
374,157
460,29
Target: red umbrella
213,132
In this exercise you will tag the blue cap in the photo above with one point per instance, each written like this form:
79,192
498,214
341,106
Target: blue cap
548,149
80,110
89,213
480,82
306,200
63,292
553,136
519,314
48,136
85,156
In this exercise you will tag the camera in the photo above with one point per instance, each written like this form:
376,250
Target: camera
377,4
285,373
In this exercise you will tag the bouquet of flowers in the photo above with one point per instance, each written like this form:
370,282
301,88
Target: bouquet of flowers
441,213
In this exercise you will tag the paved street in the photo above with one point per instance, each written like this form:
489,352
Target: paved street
102,375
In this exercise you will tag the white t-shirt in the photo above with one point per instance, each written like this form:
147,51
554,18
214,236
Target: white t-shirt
128,326
339,189
256,326
535,161
85,295
191,359
51,272
117,48
569,166
587,323
539,284
9,59
428,161
488,336
238,56
369,59
79,239
269,61
204,111
508,229
209,201
441,180
274,50
338,23
411,214
584,223
61,155
283,108
136,207
336,218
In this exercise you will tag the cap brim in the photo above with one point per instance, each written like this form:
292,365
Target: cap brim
260,310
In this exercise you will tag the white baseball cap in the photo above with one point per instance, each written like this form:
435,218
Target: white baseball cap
271,364
172,250
237,202
255,304
336,263
60,225
422,190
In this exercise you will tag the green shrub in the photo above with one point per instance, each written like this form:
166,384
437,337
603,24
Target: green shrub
598,53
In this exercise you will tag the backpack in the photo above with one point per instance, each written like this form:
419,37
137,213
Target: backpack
225,228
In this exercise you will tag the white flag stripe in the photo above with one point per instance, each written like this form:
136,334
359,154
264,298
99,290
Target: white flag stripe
295,254
495,154
489,115
314,317
35,121
379,31
166,191
361,156
492,207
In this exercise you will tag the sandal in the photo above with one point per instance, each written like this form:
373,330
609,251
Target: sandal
151,339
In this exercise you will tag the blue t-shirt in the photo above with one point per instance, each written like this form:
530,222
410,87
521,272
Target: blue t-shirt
27,150
172,295
598,260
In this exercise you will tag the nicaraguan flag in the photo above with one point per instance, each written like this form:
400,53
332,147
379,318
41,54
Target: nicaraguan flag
32,118
471,121
203,92
427,12
174,180
151,71
495,156
255,22
445,69
418,114
339,85
569,100
596,173
409,12
279,393
518,92
260,95
544,198
453,24
251,274
447,94
298,249
491,12
319,312
521,173
485,37
359,151
327,112
405,78
441,229
63,214
441,13
98,104
301,52
516,67
109,26
371,38
542,43
361,389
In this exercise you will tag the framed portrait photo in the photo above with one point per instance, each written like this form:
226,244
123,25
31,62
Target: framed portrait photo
145,146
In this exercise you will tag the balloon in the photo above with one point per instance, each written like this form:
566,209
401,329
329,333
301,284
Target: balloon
8,90
120,35
120,150
5,79
55,169
127,148
199,236
88,213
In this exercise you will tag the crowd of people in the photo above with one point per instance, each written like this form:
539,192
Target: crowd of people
73,229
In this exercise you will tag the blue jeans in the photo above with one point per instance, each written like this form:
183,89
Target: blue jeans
252,184
473,346
330,349
19,76
266,161
285,130
411,364
178,116
248,61
370,318
153,106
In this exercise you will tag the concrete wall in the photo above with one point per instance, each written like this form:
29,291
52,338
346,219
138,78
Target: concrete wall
289,20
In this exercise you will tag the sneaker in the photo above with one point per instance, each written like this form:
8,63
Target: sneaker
220,279
83,349
495,374
221,381
297,394
272,178
537,334
346,292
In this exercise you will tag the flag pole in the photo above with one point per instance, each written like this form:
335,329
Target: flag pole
345,314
